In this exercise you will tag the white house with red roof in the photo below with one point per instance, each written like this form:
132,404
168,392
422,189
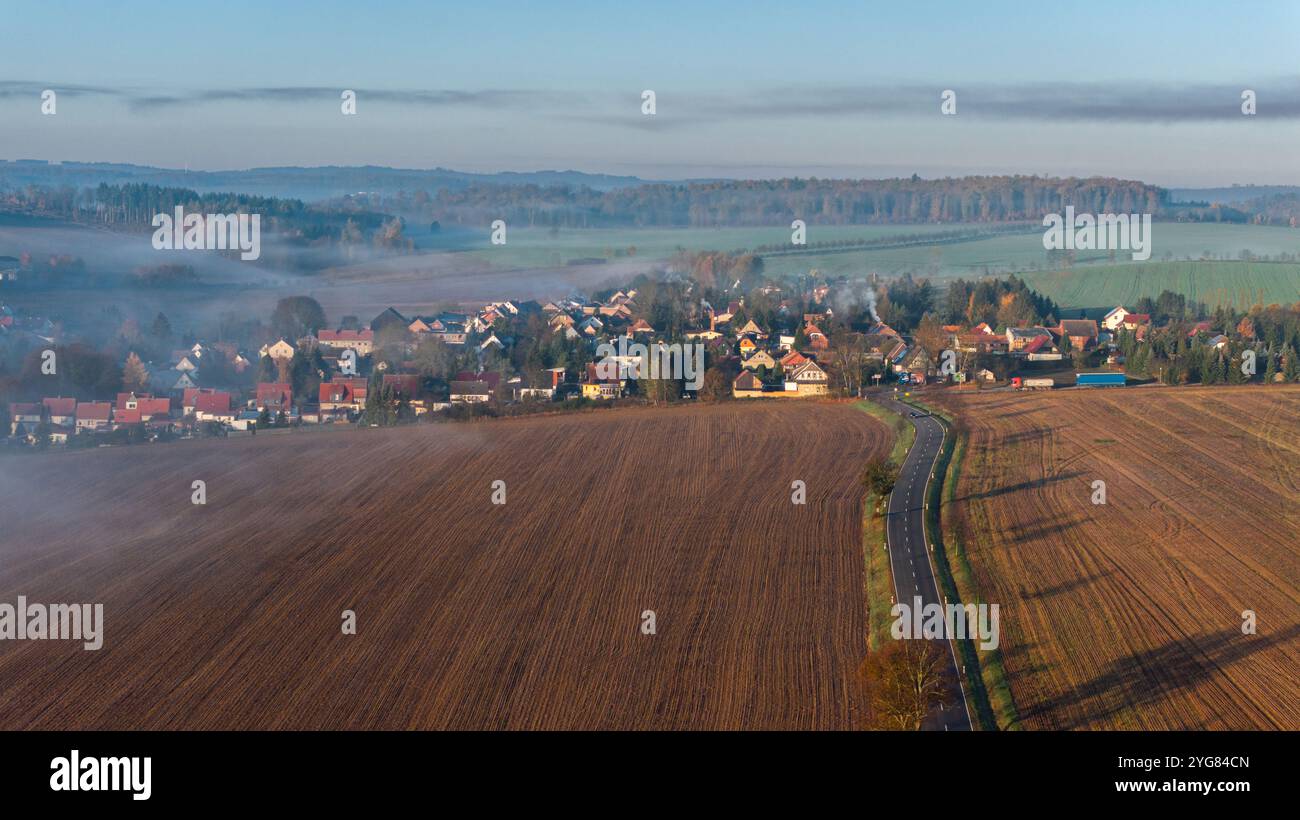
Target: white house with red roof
28,414
214,405
61,412
94,415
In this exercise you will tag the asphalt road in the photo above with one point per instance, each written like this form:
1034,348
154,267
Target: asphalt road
909,555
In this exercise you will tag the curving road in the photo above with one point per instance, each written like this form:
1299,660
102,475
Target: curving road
909,557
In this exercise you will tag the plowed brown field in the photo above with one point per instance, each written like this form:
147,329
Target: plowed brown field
469,614
1129,615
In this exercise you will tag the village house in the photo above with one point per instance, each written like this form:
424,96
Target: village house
24,415
172,381
916,362
360,341
793,359
1136,321
760,359
805,379
470,392
598,384
751,328
184,361
404,385
1042,349
816,339
61,412
544,387
1082,333
451,336
342,396
809,379
94,415
190,396
214,405
274,397
1115,318
1020,337
133,408
279,351
747,385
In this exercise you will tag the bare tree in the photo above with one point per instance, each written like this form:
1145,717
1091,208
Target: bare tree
849,356
904,680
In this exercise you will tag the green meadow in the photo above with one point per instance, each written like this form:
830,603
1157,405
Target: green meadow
1239,284
538,247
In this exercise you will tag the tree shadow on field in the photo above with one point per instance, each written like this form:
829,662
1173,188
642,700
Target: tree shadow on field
1030,532
1066,586
1021,436
1030,484
1015,413
1152,675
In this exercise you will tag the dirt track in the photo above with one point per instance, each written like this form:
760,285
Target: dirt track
469,615
1128,615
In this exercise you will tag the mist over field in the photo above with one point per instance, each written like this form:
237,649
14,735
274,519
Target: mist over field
905,369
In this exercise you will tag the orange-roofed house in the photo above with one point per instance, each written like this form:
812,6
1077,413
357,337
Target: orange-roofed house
94,415
792,359
215,405
816,339
62,412
143,403
343,394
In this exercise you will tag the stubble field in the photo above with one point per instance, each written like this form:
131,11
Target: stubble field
1128,614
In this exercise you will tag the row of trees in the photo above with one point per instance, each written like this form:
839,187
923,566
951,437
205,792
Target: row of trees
768,202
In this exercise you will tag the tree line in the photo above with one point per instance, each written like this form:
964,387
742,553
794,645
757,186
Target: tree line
765,202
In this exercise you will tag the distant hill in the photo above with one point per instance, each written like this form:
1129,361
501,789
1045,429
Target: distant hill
1230,195
307,184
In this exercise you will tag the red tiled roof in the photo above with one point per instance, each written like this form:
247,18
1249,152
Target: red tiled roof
60,406
408,384
1037,344
127,416
215,402
328,336
190,395
94,411
145,402
279,393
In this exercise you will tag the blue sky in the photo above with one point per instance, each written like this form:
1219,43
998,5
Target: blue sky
744,89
